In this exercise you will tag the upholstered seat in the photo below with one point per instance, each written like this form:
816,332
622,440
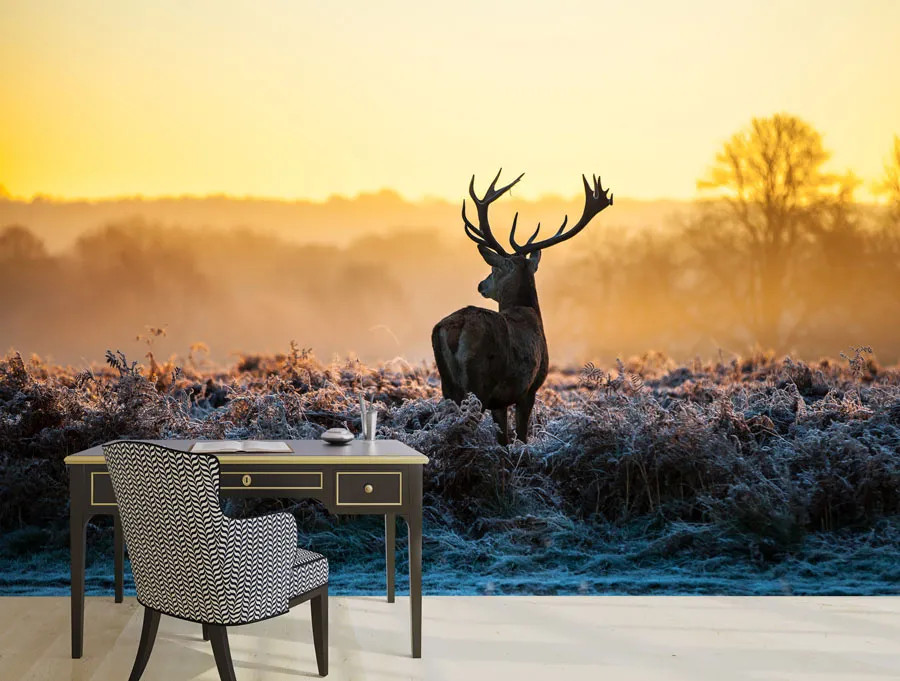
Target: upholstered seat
192,562
310,571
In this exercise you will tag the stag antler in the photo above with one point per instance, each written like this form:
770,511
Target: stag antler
482,234
595,200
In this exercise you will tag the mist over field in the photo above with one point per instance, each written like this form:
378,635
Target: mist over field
370,276
336,221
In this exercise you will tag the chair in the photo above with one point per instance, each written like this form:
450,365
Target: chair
191,561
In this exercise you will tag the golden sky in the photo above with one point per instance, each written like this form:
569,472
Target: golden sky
301,99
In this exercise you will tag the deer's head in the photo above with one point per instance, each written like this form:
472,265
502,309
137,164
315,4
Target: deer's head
508,272
512,274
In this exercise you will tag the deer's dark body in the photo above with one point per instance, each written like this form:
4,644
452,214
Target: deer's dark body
502,356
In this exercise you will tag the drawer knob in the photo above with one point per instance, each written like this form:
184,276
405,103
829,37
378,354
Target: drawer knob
246,480
368,489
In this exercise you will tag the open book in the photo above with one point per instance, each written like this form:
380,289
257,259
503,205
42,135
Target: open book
257,446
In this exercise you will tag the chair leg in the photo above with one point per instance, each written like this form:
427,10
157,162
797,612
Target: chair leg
148,636
319,605
205,632
119,560
218,634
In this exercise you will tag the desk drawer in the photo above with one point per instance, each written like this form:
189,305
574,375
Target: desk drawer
382,488
286,480
101,489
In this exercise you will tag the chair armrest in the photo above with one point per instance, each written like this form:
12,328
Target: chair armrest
259,556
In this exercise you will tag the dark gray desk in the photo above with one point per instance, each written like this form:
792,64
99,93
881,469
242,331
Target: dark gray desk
383,477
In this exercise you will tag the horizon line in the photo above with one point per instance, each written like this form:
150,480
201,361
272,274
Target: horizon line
39,197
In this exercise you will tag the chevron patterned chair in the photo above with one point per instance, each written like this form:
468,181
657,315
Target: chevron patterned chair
191,561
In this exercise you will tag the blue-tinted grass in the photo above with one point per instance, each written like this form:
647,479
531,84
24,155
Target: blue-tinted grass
496,564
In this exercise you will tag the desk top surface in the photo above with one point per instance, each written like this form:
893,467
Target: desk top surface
304,451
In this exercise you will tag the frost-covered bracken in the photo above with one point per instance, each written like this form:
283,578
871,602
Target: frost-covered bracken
766,460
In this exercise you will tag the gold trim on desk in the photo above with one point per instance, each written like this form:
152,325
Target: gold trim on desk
248,479
375,460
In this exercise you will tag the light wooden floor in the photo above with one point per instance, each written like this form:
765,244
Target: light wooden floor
498,638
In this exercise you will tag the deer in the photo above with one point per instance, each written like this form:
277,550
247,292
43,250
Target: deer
501,357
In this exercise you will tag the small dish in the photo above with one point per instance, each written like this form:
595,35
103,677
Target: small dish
337,436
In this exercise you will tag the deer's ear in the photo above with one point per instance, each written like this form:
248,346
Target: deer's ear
534,259
490,257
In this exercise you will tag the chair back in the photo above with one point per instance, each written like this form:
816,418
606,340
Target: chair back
174,528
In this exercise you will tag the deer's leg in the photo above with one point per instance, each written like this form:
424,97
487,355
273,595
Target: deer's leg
501,420
523,415
451,391
449,388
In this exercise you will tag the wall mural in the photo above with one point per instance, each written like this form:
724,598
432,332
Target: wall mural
706,400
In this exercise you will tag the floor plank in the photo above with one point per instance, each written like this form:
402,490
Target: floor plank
627,638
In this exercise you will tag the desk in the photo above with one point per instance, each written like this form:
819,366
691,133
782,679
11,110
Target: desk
382,477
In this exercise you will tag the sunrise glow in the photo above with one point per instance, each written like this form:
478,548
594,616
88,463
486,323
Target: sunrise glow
310,99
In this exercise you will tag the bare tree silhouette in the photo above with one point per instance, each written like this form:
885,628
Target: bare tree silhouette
768,179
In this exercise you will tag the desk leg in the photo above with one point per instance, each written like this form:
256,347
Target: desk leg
77,541
414,522
119,548
390,534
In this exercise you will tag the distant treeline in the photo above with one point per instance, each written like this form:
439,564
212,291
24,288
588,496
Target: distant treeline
780,255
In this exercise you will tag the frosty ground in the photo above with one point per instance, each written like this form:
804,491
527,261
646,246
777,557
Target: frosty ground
756,475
